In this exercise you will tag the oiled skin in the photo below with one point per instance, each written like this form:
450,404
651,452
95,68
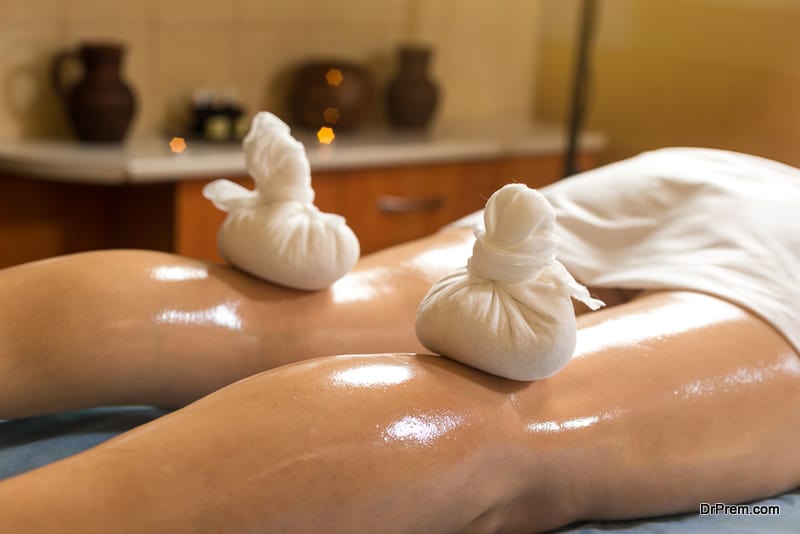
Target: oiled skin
672,399
142,326
147,325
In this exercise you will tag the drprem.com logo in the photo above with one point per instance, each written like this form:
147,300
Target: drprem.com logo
719,508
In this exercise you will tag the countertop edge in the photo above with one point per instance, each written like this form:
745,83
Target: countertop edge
149,161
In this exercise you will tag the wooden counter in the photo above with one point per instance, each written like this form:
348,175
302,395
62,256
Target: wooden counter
58,198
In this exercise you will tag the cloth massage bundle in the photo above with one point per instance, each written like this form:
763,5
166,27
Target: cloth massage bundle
508,312
275,232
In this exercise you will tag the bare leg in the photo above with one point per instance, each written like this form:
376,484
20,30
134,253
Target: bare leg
145,327
118,327
672,399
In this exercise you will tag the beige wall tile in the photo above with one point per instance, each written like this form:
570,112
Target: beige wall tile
29,106
263,64
359,11
274,11
212,11
127,11
483,56
19,10
348,40
191,56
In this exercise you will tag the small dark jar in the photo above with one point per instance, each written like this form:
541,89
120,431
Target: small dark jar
411,96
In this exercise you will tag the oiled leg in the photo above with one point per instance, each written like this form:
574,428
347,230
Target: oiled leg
672,399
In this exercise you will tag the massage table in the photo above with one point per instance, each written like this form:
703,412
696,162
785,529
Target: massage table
36,441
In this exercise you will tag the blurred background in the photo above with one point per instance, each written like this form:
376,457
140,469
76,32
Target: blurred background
721,73
715,73
485,59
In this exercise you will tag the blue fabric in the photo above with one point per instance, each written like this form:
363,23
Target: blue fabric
26,444
788,521
32,442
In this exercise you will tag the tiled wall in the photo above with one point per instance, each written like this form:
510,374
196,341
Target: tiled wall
485,52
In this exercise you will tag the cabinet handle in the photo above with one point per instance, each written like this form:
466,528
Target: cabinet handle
395,204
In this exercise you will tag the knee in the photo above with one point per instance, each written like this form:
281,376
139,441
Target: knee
400,425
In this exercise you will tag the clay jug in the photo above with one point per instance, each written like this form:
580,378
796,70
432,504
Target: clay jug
411,96
100,105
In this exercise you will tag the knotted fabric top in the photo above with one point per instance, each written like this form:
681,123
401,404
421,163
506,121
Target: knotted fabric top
519,240
519,243
277,163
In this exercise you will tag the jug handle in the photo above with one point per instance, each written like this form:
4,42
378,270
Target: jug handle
56,70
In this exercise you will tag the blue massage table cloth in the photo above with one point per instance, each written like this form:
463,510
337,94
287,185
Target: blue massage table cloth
32,442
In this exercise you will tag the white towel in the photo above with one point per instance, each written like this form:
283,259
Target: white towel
275,232
508,312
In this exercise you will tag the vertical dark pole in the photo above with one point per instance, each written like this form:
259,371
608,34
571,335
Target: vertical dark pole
580,85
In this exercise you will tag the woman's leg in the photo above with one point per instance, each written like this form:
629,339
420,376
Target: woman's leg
672,399
138,327
146,327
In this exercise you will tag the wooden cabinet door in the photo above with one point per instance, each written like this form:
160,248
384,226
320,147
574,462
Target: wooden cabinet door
389,206
536,171
197,220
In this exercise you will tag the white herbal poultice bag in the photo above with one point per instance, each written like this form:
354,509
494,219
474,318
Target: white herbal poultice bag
508,312
275,232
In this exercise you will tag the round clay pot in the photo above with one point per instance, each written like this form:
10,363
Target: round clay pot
329,93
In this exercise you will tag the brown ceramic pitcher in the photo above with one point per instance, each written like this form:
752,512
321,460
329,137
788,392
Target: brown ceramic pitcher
412,96
100,105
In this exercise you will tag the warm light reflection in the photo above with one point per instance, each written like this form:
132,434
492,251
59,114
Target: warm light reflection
178,273
444,259
742,376
361,286
331,115
334,77
325,135
224,316
177,145
423,428
571,424
668,320
373,375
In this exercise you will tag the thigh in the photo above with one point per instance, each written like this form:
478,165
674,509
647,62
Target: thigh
153,328
672,399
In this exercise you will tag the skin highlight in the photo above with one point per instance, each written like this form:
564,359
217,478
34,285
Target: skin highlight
670,400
